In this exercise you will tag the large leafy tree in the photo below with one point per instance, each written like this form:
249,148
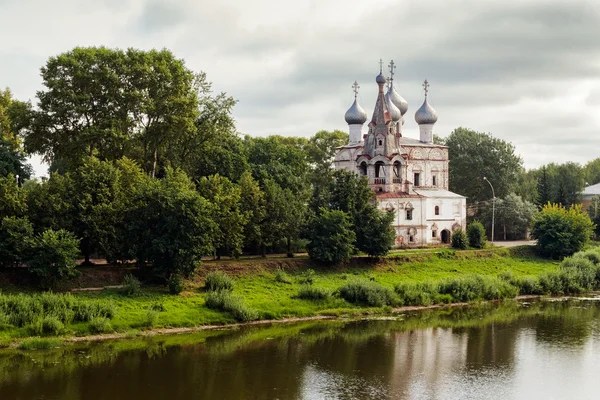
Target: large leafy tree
568,181
230,219
513,216
13,201
253,205
322,147
170,225
560,231
592,171
332,237
474,155
12,157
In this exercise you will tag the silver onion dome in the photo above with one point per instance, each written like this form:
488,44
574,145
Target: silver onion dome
355,114
394,111
426,114
397,99
380,79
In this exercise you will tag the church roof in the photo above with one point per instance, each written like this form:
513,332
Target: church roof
592,190
397,195
435,192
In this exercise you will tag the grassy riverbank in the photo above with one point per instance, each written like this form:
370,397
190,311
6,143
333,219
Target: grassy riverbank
271,291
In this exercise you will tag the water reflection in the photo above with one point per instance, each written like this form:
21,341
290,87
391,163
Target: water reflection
541,350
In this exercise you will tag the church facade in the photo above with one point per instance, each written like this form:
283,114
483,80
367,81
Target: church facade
409,176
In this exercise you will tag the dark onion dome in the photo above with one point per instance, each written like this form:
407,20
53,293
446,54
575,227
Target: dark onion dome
355,114
397,99
394,111
380,79
426,114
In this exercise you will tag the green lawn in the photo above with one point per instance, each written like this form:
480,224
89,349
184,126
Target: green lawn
276,300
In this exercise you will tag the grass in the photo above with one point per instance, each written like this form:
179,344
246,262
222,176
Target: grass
39,343
269,294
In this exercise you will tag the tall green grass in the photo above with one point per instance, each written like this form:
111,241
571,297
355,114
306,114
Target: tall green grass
224,300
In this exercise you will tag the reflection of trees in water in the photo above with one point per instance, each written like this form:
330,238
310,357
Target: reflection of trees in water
275,362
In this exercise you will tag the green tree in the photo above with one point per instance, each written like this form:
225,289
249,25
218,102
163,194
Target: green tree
459,240
374,232
12,157
570,182
592,171
559,231
474,155
12,198
15,241
53,256
322,147
332,237
594,213
253,205
544,189
476,235
170,225
50,203
513,216
230,220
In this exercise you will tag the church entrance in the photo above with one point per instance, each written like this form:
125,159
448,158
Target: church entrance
446,236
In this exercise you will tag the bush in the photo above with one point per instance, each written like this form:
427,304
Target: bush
367,293
131,285
16,235
332,238
559,231
476,235
217,281
459,239
176,284
100,325
53,256
282,276
39,344
308,292
48,326
417,294
151,317
477,287
226,301
307,277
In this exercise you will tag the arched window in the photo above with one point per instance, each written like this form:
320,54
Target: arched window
380,142
437,210
363,168
379,169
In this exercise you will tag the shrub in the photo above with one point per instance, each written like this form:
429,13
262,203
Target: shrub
559,231
100,325
151,317
583,269
332,237
131,285
476,235
53,256
307,277
226,301
16,235
308,292
48,326
217,281
477,287
367,293
417,294
39,344
176,284
282,276
459,239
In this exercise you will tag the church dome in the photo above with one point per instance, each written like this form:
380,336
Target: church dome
380,79
397,99
355,114
426,114
394,111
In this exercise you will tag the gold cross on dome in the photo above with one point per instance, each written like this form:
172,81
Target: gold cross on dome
355,88
426,87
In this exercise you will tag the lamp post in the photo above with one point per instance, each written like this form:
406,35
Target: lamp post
493,206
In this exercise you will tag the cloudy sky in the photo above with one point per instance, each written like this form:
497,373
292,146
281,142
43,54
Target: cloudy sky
527,71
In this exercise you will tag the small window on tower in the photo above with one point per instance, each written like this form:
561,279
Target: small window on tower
437,210
380,142
434,180
409,214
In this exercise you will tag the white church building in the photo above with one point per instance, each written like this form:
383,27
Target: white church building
409,176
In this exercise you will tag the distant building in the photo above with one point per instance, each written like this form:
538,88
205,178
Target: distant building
588,193
409,176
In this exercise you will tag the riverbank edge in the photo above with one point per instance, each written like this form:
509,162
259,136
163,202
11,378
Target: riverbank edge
266,322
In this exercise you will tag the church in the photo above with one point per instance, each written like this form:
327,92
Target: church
409,176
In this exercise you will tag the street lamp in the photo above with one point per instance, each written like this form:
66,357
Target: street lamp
493,206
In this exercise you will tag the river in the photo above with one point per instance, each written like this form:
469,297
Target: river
515,350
